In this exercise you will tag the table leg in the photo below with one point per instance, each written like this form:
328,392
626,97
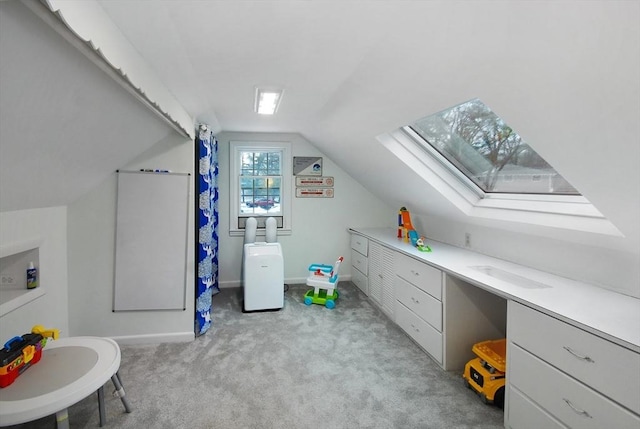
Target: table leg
103,417
120,392
62,419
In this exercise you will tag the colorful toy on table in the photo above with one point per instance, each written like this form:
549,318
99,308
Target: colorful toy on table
324,279
408,233
19,353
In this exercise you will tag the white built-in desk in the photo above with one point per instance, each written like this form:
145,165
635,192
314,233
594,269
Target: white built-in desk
70,370
573,354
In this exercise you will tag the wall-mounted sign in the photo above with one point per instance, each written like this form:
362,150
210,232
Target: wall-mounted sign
307,166
323,181
314,192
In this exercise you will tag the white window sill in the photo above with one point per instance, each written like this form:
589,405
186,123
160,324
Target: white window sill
260,233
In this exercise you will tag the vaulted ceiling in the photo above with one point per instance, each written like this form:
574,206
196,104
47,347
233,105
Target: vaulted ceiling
563,74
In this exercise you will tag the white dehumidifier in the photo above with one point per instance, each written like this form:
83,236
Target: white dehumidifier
263,276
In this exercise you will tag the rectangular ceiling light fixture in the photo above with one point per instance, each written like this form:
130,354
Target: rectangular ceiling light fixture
267,101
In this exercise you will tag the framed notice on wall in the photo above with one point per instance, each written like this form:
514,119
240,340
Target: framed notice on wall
314,192
314,181
307,166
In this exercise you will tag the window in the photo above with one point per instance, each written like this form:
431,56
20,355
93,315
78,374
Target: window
260,184
476,161
489,152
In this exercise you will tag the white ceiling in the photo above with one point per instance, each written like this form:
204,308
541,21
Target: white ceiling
562,73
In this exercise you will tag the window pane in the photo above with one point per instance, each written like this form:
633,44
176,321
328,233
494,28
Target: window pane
489,152
260,195
260,163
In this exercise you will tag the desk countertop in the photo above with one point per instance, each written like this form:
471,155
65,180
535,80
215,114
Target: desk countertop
606,313
70,370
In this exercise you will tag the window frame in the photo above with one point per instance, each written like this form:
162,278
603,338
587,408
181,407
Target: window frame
571,212
235,170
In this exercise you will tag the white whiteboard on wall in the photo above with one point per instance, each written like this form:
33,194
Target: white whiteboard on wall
151,241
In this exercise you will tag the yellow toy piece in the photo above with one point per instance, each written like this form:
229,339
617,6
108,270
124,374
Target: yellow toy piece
47,333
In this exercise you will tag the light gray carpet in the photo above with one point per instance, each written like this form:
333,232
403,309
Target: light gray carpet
301,367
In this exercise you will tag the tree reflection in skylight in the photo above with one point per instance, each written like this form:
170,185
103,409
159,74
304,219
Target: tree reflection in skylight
489,152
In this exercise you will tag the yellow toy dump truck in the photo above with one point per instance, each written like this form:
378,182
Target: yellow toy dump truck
485,374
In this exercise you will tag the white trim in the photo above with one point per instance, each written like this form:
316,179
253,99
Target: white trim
173,337
230,284
286,196
559,211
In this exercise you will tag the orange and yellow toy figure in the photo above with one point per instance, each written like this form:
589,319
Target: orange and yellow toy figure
408,233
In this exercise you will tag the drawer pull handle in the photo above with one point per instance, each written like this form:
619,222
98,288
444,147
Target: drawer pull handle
415,273
576,409
584,358
415,300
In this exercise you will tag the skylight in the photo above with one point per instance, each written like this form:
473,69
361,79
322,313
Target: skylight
488,152
484,169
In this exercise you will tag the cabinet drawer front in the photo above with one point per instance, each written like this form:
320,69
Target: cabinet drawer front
524,414
570,401
607,367
360,280
423,334
424,276
360,244
360,262
421,303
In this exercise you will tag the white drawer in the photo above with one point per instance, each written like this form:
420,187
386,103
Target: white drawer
361,281
421,303
524,414
360,244
360,262
611,369
424,276
568,400
423,333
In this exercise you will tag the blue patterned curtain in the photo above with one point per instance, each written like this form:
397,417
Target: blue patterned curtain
207,280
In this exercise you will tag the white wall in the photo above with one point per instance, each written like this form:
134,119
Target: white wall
91,226
581,259
319,224
51,310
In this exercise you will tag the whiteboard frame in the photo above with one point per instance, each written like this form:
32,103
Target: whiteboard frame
152,211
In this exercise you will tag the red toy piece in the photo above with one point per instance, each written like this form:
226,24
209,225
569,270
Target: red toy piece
19,353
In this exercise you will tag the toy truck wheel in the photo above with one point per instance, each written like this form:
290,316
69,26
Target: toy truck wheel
308,300
499,397
483,398
330,304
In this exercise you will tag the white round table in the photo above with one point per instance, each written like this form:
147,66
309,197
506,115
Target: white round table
70,370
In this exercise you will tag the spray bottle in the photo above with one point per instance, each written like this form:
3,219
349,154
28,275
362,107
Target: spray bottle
32,276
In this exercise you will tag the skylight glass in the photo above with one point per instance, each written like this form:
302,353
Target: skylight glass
488,152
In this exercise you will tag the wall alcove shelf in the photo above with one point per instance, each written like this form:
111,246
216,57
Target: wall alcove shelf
14,258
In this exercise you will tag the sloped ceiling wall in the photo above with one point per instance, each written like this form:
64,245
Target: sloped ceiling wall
65,126
563,74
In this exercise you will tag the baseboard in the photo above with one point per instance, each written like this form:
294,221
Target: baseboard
290,281
176,337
